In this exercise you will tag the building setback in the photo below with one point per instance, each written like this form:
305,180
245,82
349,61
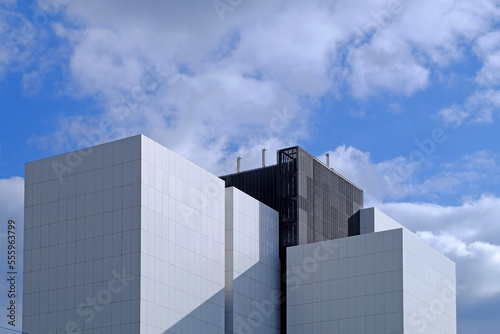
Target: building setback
129,237
385,280
314,201
253,272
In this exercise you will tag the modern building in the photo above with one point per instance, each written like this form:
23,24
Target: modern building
314,201
385,280
129,237
253,271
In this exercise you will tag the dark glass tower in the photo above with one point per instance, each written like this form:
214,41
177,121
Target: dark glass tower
314,202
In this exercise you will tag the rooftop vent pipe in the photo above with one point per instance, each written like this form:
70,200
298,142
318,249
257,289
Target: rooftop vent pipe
264,157
238,159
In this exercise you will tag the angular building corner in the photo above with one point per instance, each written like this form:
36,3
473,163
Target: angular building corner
129,240
129,237
385,280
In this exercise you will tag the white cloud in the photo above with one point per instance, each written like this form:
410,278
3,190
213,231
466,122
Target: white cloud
488,49
374,66
397,178
7,51
474,220
406,177
8,3
480,106
453,116
468,233
484,161
229,75
12,198
446,244
379,180
478,264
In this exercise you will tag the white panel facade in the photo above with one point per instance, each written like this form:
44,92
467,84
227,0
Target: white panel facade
429,288
370,284
252,266
182,238
125,237
82,241
374,220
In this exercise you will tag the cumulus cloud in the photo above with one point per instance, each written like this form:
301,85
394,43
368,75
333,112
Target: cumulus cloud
468,233
231,74
215,89
471,221
405,177
453,116
394,179
384,180
12,198
480,105
478,263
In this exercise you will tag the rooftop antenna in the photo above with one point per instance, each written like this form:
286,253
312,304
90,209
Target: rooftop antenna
328,160
238,159
264,157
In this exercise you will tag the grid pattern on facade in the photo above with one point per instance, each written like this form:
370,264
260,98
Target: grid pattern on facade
335,200
314,201
320,206
252,260
82,232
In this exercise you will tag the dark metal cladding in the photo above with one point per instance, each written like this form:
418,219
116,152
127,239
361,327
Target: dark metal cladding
260,183
314,202
354,224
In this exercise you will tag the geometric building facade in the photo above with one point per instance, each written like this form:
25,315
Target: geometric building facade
129,237
313,200
388,281
125,237
253,271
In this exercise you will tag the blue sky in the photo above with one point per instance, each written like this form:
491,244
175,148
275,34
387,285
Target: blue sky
364,80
